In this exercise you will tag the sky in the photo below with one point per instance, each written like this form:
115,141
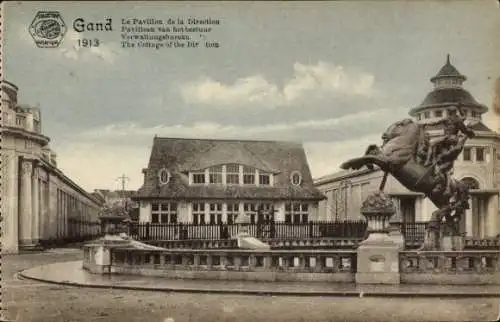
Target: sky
333,75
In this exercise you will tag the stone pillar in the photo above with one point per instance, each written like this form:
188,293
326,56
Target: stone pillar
280,211
468,221
419,216
35,199
378,255
145,212
395,224
10,203
43,206
25,205
53,207
493,214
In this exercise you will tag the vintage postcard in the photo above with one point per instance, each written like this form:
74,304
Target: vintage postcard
246,160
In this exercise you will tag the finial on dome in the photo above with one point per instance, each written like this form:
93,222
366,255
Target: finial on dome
448,59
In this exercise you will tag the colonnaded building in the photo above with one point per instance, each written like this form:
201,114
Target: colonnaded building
212,181
478,166
39,203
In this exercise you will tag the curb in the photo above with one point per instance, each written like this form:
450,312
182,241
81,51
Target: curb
359,294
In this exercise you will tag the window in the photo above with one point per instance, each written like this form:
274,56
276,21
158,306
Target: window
427,115
215,174
419,117
250,210
296,213
471,183
232,174
296,178
474,114
199,177
438,113
467,154
164,176
198,213
232,212
164,213
264,179
248,175
480,154
266,211
215,213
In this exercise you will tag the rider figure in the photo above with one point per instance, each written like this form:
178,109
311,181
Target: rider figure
446,149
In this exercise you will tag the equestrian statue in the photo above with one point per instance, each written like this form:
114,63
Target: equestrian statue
420,165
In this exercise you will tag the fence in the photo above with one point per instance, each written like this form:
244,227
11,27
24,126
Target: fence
312,229
413,232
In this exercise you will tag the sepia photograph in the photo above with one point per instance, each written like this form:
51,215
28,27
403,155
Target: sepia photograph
178,161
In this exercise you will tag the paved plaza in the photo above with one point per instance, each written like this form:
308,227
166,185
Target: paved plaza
29,300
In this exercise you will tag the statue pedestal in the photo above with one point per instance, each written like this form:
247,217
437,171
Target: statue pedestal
452,243
378,255
396,236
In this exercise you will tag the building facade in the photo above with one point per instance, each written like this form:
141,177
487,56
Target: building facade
213,181
478,165
40,204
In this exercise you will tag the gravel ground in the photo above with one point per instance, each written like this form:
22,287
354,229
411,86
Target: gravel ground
27,301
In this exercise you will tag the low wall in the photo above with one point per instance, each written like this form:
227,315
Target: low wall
472,267
453,267
234,264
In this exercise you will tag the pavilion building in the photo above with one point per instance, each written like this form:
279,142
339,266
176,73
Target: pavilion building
213,181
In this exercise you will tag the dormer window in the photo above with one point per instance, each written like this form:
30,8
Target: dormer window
248,175
199,177
233,174
164,176
215,174
264,179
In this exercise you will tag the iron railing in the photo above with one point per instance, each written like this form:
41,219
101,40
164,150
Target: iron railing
312,229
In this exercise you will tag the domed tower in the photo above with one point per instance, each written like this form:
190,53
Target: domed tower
449,93
477,166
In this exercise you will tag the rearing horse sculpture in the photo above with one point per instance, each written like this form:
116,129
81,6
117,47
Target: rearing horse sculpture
405,155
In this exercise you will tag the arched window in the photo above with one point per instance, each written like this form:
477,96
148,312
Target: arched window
470,182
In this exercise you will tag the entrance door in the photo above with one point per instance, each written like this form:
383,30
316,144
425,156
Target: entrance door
265,220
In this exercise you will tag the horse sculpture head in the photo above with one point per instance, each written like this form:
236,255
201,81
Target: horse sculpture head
400,141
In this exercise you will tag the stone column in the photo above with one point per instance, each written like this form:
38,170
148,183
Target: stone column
395,223
493,214
378,255
10,222
43,206
35,199
25,205
53,207
468,220
419,216
280,211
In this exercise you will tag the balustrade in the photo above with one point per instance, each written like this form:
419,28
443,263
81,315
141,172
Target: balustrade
457,267
327,264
